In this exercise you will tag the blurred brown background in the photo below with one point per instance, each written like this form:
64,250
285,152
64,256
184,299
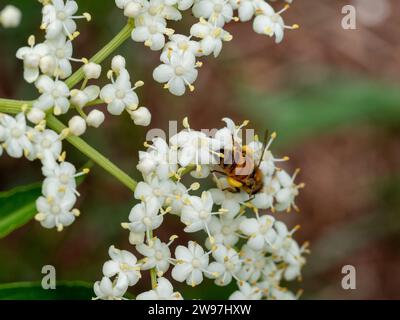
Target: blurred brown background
331,94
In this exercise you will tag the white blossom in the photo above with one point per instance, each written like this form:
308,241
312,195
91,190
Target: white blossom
163,291
54,94
107,290
177,72
157,255
123,265
191,263
211,36
226,265
13,133
246,292
218,12
119,95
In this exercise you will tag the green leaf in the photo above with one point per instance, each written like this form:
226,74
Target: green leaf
17,207
65,290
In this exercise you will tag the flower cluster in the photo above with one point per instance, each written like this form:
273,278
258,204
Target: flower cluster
179,64
48,65
18,139
10,17
241,244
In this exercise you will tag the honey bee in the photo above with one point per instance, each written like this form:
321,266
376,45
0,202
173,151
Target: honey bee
241,170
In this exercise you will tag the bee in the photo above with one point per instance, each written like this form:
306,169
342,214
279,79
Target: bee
241,170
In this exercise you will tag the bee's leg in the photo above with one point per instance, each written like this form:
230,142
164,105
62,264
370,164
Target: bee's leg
220,172
250,199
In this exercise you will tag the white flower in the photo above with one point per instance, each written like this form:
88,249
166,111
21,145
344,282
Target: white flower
157,255
286,195
228,200
81,98
141,116
163,291
191,263
196,215
56,211
47,146
118,63
260,231
248,8
196,148
177,73
151,30
119,95
133,8
180,43
77,126
92,70
160,160
246,292
32,57
264,199
58,18
107,290
254,264
36,115
224,230
271,23
182,4
153,189
14,135
211,37
123,264
55,95
177,197
61,179
226,266
95,118
160,8
144,216
10,17
218,12
61,51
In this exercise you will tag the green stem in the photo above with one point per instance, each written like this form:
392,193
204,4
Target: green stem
153,271
91,153
100,56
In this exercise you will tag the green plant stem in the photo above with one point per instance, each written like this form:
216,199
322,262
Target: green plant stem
100,56
153,271
91,153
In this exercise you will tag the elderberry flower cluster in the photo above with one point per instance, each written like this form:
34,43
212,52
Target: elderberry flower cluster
56,205
244,241
48,65
179,64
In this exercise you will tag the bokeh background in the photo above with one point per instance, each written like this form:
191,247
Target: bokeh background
333,96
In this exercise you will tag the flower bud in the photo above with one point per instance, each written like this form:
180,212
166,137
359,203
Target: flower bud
95,118
10,17
77,126
78,98
136,238
132,9
118,63
36,115
48,65
92,70
141,116
146,165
